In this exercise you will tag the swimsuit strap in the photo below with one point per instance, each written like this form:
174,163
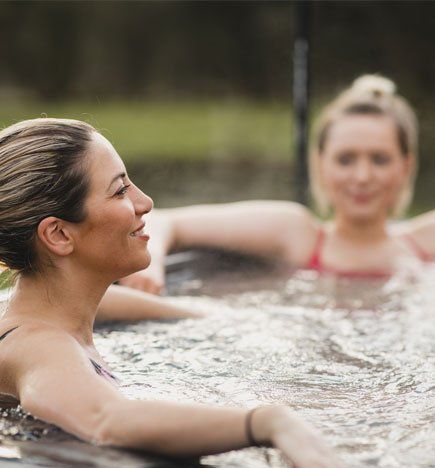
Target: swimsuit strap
420,252
7,333
100,370
315,262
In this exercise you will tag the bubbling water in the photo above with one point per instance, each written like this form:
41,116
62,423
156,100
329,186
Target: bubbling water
354,357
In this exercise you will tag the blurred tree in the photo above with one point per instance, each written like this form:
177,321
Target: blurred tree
132,49
40,45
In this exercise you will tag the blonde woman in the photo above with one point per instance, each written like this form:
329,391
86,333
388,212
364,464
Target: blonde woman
362,168
71,223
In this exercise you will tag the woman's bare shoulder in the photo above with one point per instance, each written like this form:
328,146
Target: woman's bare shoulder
25,338
25,343
302,233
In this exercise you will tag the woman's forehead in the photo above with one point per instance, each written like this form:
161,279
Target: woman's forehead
105,163
362,130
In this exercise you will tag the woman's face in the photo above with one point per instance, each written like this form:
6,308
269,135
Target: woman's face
362,168
111,239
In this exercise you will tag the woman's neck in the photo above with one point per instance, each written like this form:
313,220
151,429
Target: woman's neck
66,301
360,231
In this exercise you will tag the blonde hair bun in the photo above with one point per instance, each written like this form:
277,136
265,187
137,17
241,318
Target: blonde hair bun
374,85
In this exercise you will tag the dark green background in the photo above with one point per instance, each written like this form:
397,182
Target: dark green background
208,81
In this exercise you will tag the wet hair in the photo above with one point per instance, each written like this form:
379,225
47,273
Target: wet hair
370,95
42,173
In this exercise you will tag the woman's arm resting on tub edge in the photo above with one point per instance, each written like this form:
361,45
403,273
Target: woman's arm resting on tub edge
51,375
123,303
272,229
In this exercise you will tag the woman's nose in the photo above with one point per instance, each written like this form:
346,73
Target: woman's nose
143,204
363,171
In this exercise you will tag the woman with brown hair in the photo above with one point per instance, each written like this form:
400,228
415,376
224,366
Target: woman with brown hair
71,223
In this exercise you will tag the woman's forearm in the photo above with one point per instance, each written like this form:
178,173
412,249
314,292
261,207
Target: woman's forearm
174,429
122,303
193,430
261,228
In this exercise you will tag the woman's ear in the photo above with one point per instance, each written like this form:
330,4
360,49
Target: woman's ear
54,235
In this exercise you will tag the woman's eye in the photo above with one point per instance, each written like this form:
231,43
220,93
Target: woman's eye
380,159
345,159
122,190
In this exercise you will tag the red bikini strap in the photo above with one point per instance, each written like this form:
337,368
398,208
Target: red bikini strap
315,261
421,253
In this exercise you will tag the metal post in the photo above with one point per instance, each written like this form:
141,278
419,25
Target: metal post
301,95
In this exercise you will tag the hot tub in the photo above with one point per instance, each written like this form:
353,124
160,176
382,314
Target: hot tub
354,357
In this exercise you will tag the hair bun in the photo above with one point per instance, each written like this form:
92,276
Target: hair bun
375,85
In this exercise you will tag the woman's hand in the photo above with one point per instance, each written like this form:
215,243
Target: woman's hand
151,280
300,444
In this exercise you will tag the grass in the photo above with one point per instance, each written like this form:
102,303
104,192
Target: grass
6,278
188,130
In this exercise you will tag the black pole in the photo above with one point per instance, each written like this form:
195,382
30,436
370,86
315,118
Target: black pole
301,95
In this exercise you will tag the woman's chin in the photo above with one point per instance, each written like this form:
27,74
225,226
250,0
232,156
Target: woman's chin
145,261
137,265
365,215
362,212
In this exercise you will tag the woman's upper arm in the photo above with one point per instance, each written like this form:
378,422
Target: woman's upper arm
264,228
55,381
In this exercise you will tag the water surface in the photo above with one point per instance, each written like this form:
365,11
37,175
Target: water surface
356,358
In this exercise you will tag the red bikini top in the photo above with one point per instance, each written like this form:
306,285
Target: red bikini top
316,263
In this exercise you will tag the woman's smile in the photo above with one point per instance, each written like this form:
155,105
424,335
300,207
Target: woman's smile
140,233
362,197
